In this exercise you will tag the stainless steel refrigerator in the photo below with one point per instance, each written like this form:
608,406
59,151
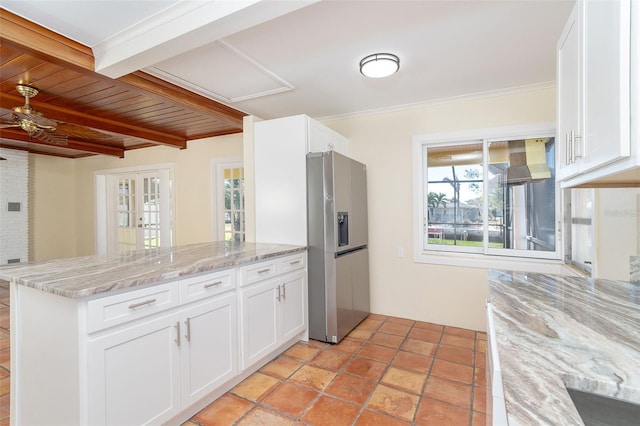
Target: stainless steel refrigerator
337,240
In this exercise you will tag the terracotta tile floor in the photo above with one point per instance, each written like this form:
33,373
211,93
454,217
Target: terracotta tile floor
388,371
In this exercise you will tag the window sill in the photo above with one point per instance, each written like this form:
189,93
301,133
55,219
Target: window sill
475,260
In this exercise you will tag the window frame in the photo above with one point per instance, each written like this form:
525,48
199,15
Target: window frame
485,257
218,167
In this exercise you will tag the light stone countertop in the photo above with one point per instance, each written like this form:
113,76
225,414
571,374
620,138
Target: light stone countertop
92,275
553,331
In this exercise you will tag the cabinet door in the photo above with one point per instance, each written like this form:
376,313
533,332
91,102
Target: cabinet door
569,60
607,35
209,346
134,374
317,140
293,304
259,311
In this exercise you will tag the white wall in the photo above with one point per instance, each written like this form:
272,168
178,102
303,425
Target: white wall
14,188
399,286
617,226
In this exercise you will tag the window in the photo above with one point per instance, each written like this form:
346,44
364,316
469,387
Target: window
230,189
488,192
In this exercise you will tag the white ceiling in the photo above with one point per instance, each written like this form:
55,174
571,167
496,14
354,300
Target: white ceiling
274,58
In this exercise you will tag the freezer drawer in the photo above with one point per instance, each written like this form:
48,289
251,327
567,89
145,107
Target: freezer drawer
351,294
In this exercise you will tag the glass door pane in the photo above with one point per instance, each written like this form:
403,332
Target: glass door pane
150,212
127,214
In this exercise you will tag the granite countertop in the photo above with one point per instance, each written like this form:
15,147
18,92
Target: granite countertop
553,331
91,275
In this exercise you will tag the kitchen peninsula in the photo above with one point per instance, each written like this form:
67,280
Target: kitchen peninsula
149,337
553,332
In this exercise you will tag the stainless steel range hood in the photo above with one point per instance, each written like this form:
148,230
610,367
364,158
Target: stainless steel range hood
527,161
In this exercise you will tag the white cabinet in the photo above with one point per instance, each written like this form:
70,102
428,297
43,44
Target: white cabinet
274,310
322,139
280,174
166,363
259,307
152,355
593,76
209,347
569,77
132,374
496,407
293,304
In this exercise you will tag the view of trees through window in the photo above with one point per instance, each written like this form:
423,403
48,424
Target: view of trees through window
234,227
517,183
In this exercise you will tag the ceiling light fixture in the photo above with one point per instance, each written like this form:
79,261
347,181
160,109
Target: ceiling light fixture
379,65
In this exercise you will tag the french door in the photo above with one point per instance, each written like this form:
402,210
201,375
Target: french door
138,206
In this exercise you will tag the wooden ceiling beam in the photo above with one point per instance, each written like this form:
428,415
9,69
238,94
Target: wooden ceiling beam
96,148
36,151
165,90
66,115
25,35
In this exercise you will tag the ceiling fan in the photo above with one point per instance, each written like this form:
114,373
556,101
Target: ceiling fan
32,121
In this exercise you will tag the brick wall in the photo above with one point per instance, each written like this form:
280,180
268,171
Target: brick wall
14,194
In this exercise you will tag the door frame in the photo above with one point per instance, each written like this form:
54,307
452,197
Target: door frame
217,197
102,193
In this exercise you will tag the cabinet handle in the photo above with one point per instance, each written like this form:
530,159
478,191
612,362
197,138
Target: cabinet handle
177,326
213,284
262,271
571,146
295,262
137,305
567,149
278,296
188,324
578,147
284,291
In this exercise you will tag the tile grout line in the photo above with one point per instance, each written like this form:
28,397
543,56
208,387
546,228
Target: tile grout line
428,375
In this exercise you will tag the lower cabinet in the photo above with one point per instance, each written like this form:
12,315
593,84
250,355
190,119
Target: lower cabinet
152,355
273,311
133,374
147,373
209,347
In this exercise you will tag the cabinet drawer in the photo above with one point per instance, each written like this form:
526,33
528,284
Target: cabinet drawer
292,263
120,308
203,286
257,272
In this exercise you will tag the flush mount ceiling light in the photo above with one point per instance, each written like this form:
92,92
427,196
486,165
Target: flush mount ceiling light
379,65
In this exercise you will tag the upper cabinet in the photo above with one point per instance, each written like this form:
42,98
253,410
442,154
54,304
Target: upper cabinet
280,172
570,111
595,134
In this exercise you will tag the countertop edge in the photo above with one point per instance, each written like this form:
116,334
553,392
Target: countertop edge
19,274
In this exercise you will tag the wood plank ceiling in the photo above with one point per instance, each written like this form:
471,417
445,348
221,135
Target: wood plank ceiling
100,115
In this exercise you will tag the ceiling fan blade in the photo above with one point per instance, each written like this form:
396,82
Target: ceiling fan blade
6,125
38,119
50,137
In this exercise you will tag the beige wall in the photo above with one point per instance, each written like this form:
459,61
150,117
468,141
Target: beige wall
442,294
52,212
62,215
400,287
